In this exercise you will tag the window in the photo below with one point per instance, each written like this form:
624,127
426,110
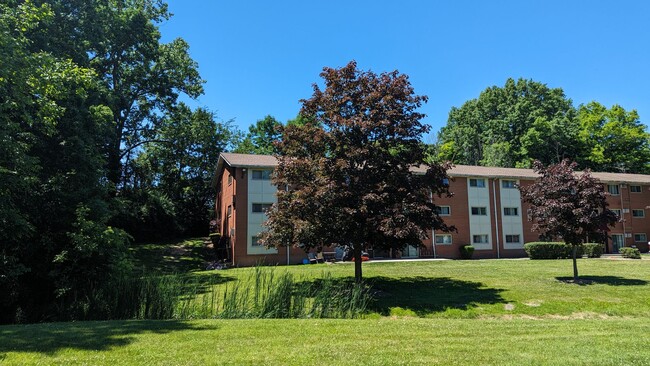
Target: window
510,211
229,179
445,182
480,211
444,210
640,238
617,211
261,175
613,189
508,184
229,211
255,241
638,213
443,239
232,232
261,207
512,239
480,239
635,189
479,183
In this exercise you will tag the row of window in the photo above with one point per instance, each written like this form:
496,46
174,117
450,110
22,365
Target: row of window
479,211
446,239
480,183
615,189
635,212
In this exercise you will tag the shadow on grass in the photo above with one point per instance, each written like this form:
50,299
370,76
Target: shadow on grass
49,338
425,295
604,280
171,257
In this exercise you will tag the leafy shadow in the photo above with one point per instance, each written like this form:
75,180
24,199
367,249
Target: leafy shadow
605,280
425,295
49,338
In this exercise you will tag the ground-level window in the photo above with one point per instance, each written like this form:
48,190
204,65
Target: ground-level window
508,183
613,189
640,238
443,239
444,210
255,241
479,183
638,213
261,207
635,189
511,211
261,175
229,211
480,211
511,239
480,239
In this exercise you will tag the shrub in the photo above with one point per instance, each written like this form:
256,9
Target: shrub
593,250
551,250
643,247
629,252
466,251
214,238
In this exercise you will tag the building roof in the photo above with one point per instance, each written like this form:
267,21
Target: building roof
269,161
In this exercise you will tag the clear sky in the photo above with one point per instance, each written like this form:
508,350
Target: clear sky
261,57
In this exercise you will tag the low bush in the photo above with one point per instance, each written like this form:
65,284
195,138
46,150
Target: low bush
629,252
466,251
593,250
643,247
551,250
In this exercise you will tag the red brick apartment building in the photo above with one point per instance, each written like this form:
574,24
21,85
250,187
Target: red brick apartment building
486,209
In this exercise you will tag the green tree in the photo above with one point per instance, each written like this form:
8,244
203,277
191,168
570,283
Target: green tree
568,206
616,139
349,169
261,137
510,126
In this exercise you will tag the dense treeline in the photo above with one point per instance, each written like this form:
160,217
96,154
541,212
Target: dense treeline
95,148
523,121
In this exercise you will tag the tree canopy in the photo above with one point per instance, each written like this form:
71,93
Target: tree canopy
568,206
523,121
348,170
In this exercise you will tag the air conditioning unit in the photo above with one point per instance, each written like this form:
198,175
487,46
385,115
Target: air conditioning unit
626,210
628,235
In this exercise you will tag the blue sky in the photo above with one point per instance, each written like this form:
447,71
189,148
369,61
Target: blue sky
261,57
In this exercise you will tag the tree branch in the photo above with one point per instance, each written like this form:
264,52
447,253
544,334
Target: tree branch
127,150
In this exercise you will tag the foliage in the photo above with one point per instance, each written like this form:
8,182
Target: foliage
593,250
615,138
566,205
629,252
510,126
261,137
552,250
466,251
348,169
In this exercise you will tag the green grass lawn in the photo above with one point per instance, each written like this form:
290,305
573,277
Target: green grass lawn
500,312
183,256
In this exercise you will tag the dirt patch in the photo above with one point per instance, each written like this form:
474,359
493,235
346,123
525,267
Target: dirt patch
534,303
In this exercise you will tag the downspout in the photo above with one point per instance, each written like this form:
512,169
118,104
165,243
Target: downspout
433,232
286,189
620,194
496,218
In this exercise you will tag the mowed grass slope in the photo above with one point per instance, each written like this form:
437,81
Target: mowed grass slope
499,312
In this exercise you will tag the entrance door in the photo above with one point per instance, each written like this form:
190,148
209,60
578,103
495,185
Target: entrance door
410,252
618,242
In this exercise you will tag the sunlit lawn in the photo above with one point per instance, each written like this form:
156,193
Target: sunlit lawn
499,312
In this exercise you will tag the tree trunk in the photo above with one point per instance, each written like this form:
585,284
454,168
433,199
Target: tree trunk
575,263
357,264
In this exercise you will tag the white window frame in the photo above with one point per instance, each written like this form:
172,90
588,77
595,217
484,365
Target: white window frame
511,237
480,237
262,174
612,191
642,211
255,241
508,184
644,239
633,189
441,213
265,206
444,241
511,209
477,182
482,211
